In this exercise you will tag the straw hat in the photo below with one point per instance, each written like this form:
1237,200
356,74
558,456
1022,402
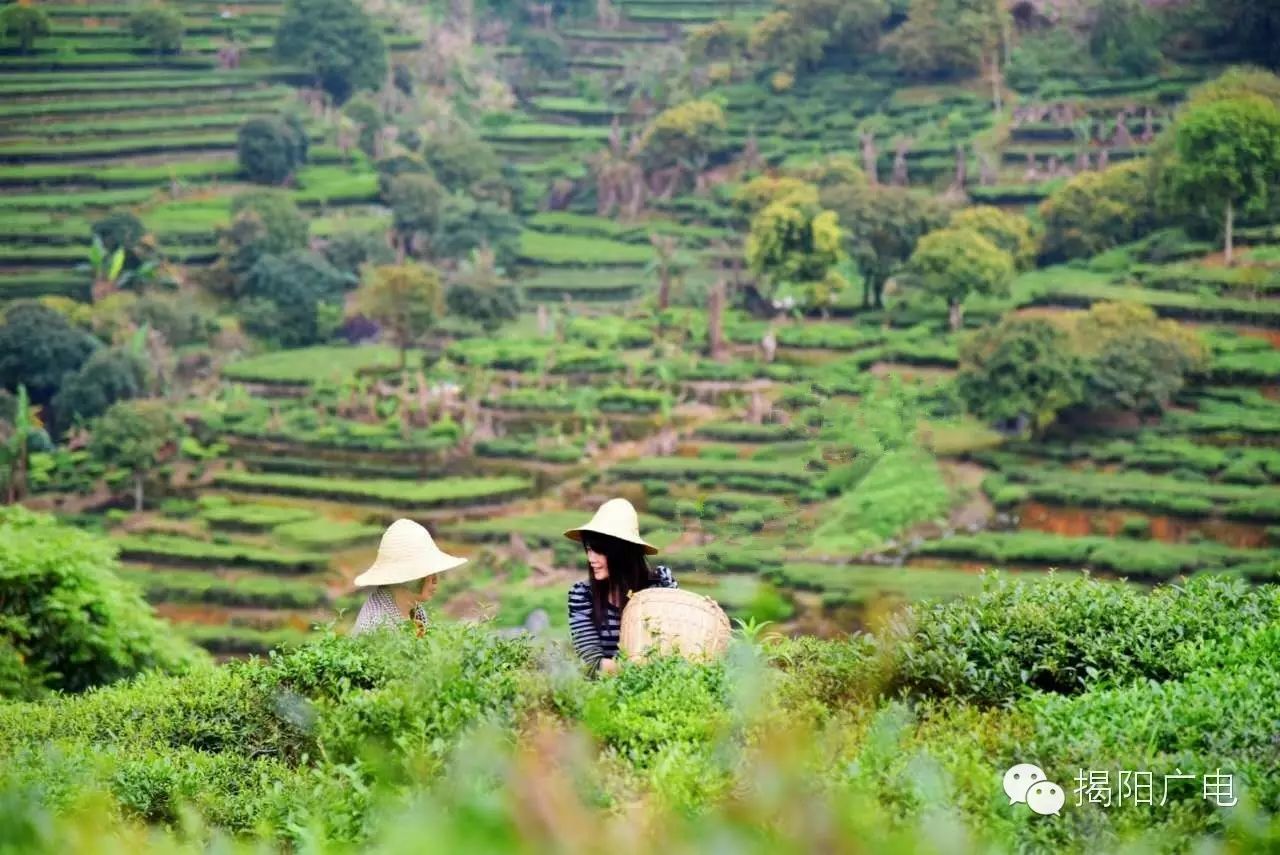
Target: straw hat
615,518
406,552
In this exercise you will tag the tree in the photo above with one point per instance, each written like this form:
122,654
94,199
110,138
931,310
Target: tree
336,42
1234,82
1095,211
804,33
1248,28
134,436
263,222
463,162
270,149
350,249
39,348
755,195
158,28
368,118
1020,371
466,224
109,375
286,226
288,295
415,202
15,445
794,244
1125,37
684,133
881,226
947,38
122,230
1136,361
1010,232
956,263
1228,157
25,24
666,264
405,299
481,292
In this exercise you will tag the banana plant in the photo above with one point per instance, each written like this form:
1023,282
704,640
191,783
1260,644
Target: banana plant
107,268
14,453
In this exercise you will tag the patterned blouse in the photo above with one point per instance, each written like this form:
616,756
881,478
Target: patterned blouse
381,610
594,643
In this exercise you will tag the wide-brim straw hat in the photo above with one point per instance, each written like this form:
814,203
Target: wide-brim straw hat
615,518
406,552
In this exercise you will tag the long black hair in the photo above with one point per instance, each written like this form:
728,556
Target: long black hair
628,572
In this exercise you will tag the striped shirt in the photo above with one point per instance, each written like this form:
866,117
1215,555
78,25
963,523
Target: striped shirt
594,643
381,610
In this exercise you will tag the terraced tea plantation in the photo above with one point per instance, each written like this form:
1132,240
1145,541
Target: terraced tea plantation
660,263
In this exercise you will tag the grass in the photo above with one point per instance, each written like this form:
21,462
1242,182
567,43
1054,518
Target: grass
309,365
250,517
547,528
146,144
583,284
1136,558
117,176
174,549
327,534
234,640
189,101
194,586
749,475
860,585
543,132
580,251
1142,491
440,493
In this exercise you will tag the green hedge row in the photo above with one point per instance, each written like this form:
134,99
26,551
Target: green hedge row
439,493
186,551
1136,558
187,586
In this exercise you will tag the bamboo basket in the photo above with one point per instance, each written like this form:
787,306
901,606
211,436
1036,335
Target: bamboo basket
673,621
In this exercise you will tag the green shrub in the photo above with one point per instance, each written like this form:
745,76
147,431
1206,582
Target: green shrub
1012,639
67,617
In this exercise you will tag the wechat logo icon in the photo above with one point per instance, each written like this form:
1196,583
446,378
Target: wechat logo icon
1026,783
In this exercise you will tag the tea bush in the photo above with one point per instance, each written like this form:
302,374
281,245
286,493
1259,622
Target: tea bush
1069,637
467,741
67,621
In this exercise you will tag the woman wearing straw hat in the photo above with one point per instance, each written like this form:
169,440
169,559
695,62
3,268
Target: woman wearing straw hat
407,553
616,568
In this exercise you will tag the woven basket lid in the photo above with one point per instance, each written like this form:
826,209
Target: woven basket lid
674,621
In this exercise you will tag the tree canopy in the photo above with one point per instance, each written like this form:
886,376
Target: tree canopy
955,263
1020,371
1228,157
404,299
134,436
24,24
271,148
336,42
39,347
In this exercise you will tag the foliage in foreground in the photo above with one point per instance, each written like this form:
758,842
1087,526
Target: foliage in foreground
67,622
461,740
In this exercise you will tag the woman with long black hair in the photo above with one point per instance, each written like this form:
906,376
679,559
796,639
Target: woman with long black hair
616,569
